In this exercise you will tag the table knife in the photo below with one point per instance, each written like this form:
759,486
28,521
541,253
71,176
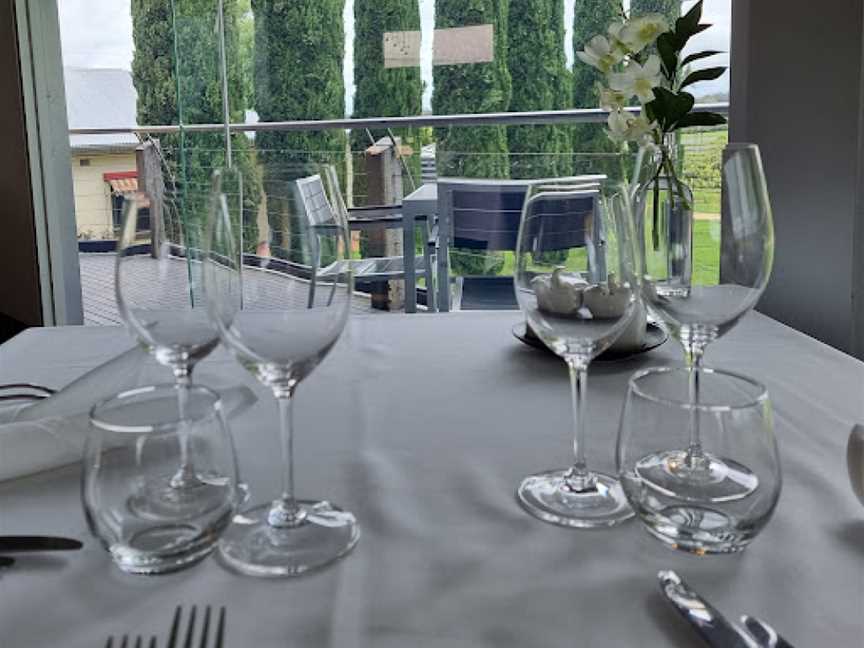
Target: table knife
764,633
37,543
714,628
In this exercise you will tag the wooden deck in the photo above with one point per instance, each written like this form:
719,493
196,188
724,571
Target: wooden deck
100,305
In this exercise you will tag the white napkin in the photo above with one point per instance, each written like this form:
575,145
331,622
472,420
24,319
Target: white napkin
51,433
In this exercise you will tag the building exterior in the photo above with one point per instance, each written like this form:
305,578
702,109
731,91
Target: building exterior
103,166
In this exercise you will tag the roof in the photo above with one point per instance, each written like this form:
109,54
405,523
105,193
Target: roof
101,98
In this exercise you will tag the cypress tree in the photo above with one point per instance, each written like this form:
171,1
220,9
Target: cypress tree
473,88
669,8
299,49
299,46
176,72
590,142
536,60
382,91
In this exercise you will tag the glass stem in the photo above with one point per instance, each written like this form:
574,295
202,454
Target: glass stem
579,478
185,477
695,455
285,511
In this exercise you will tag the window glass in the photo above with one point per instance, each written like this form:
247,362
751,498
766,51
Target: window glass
169,62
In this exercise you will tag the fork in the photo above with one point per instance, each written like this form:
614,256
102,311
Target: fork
189,642
124,642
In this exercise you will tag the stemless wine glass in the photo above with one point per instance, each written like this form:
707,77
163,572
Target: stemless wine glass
698,312
133,441
158,276
575,284
736,425
280,313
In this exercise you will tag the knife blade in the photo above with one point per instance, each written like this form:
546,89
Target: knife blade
764,633
12,544
713,627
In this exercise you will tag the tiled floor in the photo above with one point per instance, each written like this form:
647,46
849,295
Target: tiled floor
100,306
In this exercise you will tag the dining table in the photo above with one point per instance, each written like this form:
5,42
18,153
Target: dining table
423,426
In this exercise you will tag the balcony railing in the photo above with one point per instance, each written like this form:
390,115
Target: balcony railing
574,116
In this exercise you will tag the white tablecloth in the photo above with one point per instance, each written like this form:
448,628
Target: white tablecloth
423,426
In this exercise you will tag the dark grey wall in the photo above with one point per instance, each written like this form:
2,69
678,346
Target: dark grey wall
20,296
796,91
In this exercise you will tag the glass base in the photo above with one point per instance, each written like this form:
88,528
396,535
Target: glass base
699,530
550,497
168,547
705,478
254,547
159,499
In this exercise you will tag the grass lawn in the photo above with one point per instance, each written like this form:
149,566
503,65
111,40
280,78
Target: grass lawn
706,254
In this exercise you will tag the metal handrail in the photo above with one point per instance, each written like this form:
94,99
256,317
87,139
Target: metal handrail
574,116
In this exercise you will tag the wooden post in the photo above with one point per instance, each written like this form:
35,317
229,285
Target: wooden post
150,182
384,180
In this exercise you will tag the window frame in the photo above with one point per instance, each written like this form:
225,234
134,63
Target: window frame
41,68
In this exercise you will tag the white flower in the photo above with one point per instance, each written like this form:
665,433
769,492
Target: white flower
611,99
599,53
638,80
614,32
619,124
627,127
640,32
640,128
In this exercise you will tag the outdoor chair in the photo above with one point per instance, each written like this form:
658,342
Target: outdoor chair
371,270
484,215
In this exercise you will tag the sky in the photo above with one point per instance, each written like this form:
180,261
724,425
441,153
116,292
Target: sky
98,33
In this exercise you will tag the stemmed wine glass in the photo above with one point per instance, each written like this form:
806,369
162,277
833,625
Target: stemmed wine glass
158,276
280,312
575,284
697,312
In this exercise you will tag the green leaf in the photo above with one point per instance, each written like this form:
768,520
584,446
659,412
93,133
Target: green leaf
650,113
668,50
698,56
686,25
700,119
669,107
701,28
708,74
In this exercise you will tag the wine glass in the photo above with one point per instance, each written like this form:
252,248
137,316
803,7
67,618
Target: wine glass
280,312
737,422
158,275
575,284
697,311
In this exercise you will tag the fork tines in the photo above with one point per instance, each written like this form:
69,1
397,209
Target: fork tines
190,634
124,642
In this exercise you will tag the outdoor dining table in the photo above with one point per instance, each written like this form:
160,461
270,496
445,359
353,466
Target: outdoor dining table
418,205
423,426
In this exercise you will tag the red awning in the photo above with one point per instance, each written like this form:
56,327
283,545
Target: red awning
124,186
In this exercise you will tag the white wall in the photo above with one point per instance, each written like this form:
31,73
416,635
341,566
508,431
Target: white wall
796,91
93,213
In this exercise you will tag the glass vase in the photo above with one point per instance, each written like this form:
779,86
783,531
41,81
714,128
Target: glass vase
664,218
